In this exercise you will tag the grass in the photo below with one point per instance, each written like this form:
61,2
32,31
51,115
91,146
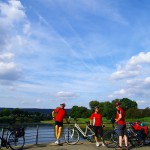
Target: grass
145,120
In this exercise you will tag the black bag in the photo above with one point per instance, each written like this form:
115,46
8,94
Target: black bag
19,132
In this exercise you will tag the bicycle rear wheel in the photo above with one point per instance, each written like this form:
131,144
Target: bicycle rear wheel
72,136
110,139
16,143
135,142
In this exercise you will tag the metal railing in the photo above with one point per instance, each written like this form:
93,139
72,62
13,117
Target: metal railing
38,133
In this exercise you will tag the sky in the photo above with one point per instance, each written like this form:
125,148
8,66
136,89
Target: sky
73,52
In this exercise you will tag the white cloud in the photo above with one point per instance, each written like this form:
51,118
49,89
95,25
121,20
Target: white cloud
134,79
66,95
133,67
6,56
9,71
12,12
140,58
11,20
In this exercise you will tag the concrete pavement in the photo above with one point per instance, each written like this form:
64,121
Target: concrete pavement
79,146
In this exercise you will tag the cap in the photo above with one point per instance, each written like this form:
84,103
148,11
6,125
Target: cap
63,104
95,107
118,103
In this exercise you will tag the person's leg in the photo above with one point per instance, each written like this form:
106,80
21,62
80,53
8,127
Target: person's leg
96,139
125,136
120,141
95,128
56,130
101,134
120,133
126,140
59,133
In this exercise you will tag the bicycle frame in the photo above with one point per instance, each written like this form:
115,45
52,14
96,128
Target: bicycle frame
86,130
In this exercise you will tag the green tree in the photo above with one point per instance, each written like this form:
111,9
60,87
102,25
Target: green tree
74,111
92,104
133,113
108,110
5,112
146,112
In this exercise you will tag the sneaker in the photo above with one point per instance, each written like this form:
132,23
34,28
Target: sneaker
56,142
126,148
97,144
118,148
103,144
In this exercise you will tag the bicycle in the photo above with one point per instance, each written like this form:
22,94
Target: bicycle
110,138
12,138
72,135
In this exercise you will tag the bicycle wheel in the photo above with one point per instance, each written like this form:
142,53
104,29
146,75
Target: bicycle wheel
16,143
135,142
110,139
72,136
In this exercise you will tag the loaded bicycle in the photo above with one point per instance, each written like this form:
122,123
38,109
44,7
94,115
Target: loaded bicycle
72,135
12,138
135,138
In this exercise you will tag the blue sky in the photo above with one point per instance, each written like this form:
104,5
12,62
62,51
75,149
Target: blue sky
74,51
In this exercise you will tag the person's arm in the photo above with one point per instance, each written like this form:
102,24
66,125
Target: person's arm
53,115
120,116
91,119
66,118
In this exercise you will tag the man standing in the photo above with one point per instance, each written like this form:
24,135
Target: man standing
96,119
121,126
58,115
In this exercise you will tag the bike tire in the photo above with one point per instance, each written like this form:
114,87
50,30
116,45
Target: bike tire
110,139
136,142
16,143
72,136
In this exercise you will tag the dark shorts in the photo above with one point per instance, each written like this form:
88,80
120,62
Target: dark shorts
59,124
121,130
98,130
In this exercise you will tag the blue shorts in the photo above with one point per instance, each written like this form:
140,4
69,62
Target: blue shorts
121,130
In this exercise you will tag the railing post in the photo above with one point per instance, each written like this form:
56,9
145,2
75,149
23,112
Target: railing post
37,134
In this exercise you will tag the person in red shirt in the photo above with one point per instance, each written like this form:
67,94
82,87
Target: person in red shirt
121,126
58,115
96,120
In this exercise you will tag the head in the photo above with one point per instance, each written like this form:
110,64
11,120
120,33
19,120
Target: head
118,105
96,109
62,105
142,124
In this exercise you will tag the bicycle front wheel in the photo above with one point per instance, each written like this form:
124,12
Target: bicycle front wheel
16,143
110,139
72,136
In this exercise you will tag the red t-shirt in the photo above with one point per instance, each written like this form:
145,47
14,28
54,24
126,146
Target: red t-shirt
61,113
122,120
97,119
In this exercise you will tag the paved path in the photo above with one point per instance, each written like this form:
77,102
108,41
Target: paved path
79,146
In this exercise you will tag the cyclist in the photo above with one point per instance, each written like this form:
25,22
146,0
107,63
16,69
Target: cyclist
96,119
60,115
121,126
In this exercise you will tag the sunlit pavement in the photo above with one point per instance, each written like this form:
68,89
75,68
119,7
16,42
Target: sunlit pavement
79,146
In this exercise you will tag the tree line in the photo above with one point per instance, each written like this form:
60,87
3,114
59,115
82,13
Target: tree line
18,115
108,109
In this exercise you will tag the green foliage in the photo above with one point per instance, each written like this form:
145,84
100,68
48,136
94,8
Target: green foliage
79,112
146,112
92,104
5,112
18,115
133,113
